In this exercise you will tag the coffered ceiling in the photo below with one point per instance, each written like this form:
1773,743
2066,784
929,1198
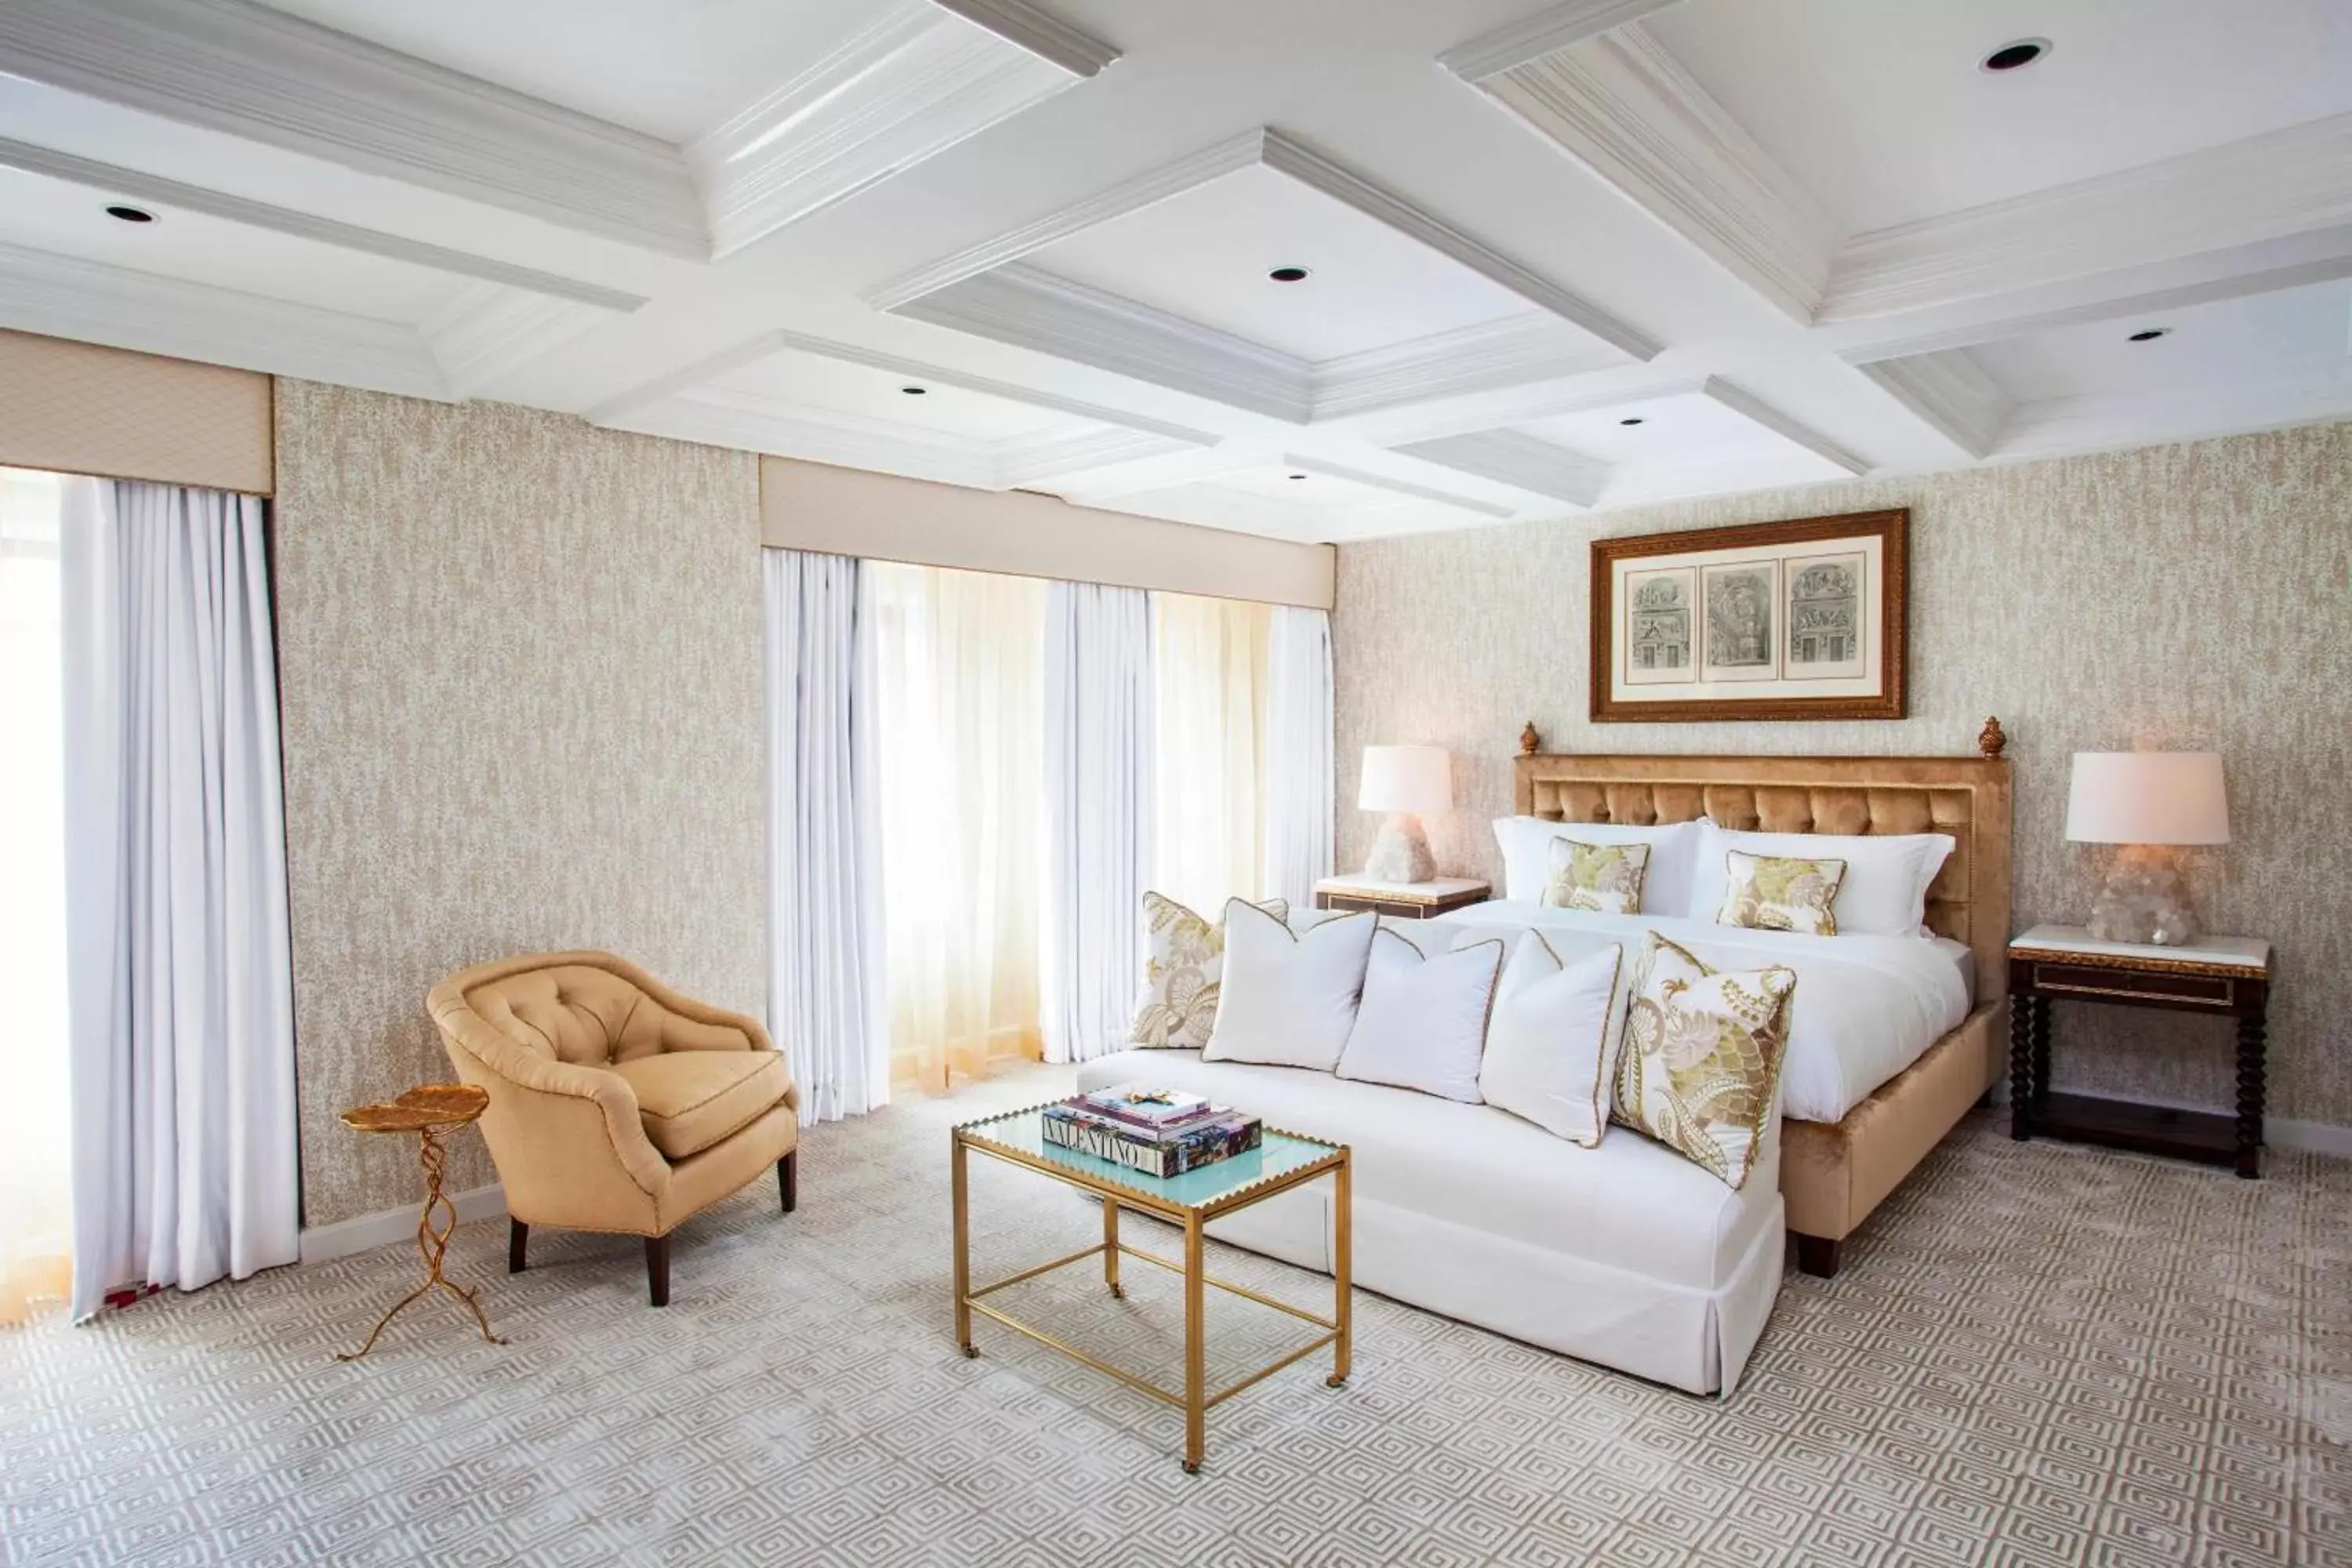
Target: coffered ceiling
1554,257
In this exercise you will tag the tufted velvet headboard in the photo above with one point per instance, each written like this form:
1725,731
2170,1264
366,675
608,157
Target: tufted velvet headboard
1966,797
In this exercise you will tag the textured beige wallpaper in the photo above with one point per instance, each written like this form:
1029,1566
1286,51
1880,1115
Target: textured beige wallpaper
2193,596
520,666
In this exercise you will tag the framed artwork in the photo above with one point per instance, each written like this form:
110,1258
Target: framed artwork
1775,620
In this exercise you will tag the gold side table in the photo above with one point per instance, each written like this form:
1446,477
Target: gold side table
432,1111
1284,1160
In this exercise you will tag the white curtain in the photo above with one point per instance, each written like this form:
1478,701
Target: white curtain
1299,818
957,673
825,1003
180,972
1209,671
1099,811
35,1155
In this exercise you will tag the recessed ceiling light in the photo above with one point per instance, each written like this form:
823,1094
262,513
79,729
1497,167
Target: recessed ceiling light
2014,56
131,214
2149,334
1298,476
914,390
1289,274
1629,421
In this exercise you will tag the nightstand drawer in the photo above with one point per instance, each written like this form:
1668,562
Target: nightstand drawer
2215,991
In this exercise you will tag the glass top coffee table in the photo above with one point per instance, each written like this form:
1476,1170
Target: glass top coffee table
1284,1160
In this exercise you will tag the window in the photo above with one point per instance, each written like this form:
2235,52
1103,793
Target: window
1210,675
36,1226
959,668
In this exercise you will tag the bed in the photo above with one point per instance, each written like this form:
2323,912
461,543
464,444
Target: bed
1834,1172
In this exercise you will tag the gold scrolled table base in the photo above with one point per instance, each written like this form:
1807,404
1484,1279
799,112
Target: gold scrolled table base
1195,1399
433,1112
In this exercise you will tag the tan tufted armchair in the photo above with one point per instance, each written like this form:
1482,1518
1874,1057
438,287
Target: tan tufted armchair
616,1103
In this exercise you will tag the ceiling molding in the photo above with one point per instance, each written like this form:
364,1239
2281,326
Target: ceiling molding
746,425
1750,406
1516,459
239,68
1035,462
917,80
1478,358
1620,106
116,180
1950,393
1285,155
1035,310
2292,182
1607,389
1306,462
2238,286
1532,37
489,332
2058,426
67,297
1047,37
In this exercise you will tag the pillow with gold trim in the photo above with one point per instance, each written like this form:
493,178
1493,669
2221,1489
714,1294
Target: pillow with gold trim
1605,878
1700,1066
1184,960
1781,892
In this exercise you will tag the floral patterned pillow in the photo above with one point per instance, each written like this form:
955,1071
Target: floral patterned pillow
1777,892
1603,877
1700,1065
1180,972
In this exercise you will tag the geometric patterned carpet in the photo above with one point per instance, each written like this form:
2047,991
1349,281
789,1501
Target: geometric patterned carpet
2037,1354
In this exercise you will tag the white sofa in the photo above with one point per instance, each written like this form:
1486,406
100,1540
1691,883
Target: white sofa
1627,1255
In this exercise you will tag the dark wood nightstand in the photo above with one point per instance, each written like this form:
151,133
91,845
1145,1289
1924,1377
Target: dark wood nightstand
1405,900
2227,976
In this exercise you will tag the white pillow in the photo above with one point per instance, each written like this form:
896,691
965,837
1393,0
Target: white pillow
1526,843
1551,1050
1886,875
1288,1000
1422,1023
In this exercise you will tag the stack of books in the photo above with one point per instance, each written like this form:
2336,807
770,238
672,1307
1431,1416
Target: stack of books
1159,1132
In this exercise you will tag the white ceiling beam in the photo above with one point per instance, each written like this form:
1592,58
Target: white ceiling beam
2056,427
916,80
1517,459
2292,182
1308,463
1748,405
1532,37
487,332
1622,107
1032,28
117,180
242,69
69,297
1950,393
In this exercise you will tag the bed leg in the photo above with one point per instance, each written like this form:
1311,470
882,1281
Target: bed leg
1817,1255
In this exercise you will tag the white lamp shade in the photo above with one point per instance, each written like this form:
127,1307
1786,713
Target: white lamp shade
1406,778
2148,797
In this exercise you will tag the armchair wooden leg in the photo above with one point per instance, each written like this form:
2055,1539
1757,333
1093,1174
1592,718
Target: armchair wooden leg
658,1268
518,1244
788,1180
1817,1255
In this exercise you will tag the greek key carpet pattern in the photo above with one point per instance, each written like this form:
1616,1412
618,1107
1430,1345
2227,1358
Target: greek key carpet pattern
2037,1354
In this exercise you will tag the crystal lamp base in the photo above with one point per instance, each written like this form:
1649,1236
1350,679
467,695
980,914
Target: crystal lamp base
2143,901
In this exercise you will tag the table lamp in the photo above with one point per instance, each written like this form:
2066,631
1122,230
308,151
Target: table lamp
1404,781
2146,802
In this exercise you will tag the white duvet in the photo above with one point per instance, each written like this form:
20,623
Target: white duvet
1865,1007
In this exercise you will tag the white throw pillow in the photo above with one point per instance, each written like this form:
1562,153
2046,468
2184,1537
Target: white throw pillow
1422,1023
1184,958
1526,844
1289,1000
1551,1050
1886,875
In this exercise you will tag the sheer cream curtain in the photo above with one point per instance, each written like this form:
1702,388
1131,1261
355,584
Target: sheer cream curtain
1210,668
959,677
36,1157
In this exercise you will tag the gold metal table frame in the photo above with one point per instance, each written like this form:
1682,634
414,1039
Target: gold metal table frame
1195,1401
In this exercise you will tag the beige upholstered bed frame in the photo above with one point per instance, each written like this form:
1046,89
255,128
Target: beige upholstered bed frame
1832,1174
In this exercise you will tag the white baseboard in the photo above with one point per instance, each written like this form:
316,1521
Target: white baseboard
2312,1137
364,1233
